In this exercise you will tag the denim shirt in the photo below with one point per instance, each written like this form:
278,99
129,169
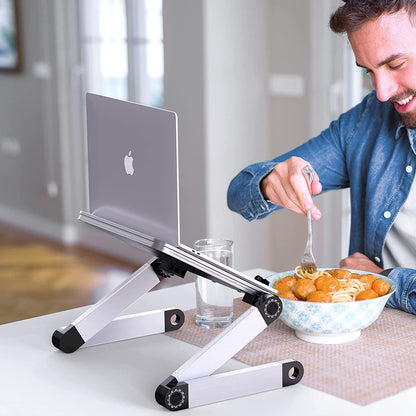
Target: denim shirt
368,150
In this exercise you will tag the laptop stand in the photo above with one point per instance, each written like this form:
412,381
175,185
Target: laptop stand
193,384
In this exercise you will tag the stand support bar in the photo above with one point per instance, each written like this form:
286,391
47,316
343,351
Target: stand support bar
101,324
193,385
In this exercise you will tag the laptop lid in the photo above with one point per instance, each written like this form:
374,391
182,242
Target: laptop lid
133,166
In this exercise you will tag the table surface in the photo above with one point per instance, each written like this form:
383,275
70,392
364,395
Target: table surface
120,378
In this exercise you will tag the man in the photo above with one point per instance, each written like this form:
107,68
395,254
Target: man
371,149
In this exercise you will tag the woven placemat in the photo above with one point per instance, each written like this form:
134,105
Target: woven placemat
379,364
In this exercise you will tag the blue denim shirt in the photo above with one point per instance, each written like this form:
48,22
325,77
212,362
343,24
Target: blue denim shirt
367,149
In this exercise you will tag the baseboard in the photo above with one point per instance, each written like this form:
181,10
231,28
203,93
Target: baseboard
32,223
71,234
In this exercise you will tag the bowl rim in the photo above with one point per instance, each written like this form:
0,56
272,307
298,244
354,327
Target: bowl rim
392,283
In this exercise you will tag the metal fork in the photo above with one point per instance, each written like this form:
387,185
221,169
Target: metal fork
308,263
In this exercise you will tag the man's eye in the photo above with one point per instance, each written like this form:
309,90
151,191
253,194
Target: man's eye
369,73
396,66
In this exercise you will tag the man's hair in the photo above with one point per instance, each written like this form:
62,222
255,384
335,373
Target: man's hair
354,13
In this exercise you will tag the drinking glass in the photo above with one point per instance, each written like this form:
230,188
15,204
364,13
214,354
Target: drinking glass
214,301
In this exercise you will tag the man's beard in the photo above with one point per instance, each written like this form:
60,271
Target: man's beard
408,119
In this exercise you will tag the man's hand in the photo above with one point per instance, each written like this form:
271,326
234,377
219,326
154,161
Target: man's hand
287,185
359,261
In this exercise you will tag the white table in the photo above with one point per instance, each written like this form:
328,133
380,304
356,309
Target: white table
121,378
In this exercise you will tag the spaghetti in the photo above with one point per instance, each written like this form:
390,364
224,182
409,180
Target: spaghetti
302,274
337,285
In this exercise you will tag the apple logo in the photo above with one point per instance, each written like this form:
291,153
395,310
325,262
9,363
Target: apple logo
128,164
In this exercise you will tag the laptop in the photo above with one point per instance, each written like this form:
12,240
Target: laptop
133,185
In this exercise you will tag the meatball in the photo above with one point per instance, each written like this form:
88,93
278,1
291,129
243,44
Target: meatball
381,287
281,287
284,291
289,280
303,287
319,296
367,280
342,274
327,284
366,294
289,295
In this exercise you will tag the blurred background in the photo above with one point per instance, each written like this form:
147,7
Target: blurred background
249,79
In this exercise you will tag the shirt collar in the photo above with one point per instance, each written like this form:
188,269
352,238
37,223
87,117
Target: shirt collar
399,129
411,134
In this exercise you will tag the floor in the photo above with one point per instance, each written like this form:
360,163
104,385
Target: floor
38,277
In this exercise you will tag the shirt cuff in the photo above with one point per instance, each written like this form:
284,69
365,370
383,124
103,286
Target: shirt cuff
258,207
404,297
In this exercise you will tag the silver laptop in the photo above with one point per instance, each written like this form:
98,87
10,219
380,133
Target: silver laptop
133,167
134,189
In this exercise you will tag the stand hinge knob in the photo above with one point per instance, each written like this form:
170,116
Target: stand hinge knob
172,395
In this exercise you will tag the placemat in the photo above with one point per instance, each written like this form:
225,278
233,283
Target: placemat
379,364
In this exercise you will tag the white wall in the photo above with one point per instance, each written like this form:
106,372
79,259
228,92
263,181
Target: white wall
330,88
184,94
215,79
236,115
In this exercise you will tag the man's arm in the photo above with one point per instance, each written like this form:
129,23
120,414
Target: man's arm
359,261
267,186
404,297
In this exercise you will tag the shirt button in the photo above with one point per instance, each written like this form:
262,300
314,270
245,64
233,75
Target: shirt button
387,214
409,169
377,259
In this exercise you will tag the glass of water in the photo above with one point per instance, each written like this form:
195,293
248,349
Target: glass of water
214,301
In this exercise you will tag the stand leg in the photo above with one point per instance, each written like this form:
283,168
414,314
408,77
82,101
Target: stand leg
223,347
138,325
90,323
193,385
219,387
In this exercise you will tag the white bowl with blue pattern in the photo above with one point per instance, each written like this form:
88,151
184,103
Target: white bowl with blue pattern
330,323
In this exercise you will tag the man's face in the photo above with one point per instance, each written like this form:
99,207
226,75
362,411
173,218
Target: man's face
386,48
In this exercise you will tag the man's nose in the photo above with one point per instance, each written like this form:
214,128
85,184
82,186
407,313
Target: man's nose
386,86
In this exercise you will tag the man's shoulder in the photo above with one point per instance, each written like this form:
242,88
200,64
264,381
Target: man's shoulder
372,104
372,112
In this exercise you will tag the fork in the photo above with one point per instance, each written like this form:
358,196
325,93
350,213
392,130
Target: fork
308,263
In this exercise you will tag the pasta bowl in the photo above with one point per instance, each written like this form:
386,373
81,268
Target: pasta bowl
330,323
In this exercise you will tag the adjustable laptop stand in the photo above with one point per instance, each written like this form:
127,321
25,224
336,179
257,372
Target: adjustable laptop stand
192,384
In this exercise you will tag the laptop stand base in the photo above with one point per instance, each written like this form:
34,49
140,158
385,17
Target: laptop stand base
193,384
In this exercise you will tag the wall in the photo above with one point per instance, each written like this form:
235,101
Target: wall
42,109
28,116
303,45
331,87
218,57
236,50
184,94
216,71
289,115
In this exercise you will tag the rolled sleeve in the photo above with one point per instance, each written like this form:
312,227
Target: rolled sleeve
244,195
404,297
